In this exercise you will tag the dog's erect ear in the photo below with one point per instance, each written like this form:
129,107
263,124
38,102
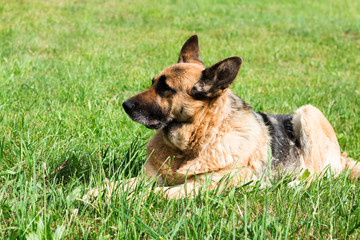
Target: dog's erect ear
217,78
190,52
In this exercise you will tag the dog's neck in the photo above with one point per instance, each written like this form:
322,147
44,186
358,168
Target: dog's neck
190,137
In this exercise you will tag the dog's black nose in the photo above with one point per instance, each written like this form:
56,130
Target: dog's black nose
128,106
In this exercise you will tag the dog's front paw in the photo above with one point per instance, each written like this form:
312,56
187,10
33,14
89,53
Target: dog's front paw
93,193
294,183
107,189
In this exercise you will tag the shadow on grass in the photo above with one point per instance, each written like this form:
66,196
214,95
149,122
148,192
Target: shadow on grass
79,165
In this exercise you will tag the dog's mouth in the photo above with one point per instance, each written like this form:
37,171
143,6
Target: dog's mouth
150,124
154,125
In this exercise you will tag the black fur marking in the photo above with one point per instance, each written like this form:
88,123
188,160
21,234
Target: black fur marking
162,88
215,79
195,94
285,147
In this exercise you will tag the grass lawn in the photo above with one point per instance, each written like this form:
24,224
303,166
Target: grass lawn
67,66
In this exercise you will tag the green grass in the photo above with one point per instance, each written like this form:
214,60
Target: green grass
66,67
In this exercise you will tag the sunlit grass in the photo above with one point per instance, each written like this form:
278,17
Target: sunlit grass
67,66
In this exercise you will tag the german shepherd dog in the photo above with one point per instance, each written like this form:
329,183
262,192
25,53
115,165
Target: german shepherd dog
203,129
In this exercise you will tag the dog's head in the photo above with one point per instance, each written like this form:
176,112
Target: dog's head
181,89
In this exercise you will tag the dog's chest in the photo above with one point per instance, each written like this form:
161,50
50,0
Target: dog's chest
224,150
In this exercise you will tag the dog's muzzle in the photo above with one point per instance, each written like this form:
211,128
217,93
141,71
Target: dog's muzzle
148,115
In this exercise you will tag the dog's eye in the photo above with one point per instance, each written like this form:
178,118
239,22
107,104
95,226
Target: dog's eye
162,88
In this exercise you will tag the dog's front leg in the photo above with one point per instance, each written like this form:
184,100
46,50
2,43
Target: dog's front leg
219,180
193,186
190,189
127,185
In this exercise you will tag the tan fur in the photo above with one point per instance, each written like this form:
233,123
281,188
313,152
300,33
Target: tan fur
320,145
351,164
